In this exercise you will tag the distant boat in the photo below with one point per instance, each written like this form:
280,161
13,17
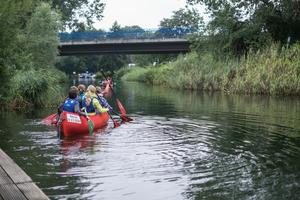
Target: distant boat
87,76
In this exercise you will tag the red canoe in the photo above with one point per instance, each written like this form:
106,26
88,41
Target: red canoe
73,124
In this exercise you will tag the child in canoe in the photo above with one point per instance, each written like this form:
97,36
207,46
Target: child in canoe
71,104
91,103
82,91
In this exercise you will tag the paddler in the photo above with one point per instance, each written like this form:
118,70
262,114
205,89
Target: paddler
71,104
91,103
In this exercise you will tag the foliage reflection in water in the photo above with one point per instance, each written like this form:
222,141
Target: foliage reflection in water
182,145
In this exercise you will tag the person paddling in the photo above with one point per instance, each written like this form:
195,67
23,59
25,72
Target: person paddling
71,104
106,88
81,89
101,99
91,103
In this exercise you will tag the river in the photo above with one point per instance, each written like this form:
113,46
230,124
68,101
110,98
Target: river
181,145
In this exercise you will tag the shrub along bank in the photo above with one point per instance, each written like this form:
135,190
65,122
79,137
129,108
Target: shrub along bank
35,88
272,71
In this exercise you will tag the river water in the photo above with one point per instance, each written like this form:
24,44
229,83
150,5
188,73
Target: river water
181,145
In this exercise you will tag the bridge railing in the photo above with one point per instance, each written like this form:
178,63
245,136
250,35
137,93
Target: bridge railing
162,33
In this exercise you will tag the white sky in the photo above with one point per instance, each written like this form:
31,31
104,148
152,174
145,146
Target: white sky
144,13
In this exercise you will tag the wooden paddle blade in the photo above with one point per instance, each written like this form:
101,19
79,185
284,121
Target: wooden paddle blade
121,107
51,119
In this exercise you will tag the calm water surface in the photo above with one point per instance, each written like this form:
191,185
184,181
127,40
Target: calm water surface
181,145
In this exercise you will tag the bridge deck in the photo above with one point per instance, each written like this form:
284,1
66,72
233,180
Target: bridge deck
140,46
15,183
124,41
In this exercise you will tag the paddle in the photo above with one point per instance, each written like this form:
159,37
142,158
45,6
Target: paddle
123,117
90,123
121,107
51,119
116,124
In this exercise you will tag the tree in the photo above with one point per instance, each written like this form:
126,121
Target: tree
91,63
113,62
132,32
185,19
115,27
240,25
42,38
13,17
183,22
77,12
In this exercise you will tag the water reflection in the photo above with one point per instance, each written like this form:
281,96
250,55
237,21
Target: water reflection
274,111
79,145
73,146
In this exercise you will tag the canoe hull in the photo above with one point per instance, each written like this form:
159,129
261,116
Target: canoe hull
73,124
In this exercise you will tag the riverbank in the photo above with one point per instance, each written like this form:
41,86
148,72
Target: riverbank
33,88
272,71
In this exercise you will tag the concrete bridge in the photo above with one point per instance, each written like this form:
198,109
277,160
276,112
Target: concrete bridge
124,42
158,46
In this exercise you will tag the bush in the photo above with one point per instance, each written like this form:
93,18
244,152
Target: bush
34,88
272,71
134,74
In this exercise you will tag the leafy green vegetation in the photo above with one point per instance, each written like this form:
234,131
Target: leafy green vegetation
238,26
41,36
91,63
28,47
272,71
78,14
28,53
36,88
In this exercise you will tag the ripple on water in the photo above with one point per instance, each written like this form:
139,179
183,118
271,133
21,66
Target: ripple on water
166,158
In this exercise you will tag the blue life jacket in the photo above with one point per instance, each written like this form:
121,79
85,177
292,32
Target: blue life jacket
69,105
90,108
81,99
81,96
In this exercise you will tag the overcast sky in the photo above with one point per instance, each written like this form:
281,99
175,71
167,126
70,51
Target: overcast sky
145,13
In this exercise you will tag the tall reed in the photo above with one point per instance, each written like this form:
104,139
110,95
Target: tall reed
34,88
272,71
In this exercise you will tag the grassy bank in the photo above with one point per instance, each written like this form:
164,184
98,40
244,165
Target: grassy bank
272,71
34,88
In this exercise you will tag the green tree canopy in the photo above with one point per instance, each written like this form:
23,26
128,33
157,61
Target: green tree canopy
75,13
240,25
91,63
13,18
42,39
115,27
184,18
